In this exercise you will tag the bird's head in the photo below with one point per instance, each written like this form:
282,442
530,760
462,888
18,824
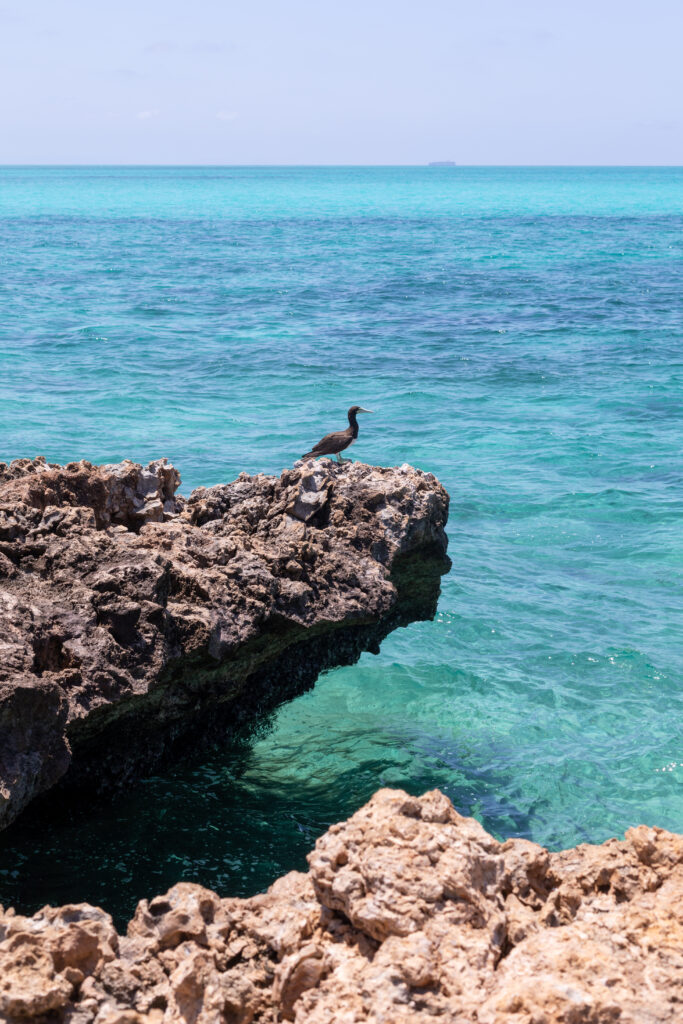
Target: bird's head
355,409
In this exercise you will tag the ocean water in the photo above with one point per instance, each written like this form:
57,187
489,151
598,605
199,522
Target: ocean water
519,332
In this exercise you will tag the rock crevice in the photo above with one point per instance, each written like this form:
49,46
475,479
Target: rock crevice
135,622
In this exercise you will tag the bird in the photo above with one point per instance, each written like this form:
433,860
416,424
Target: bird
334,444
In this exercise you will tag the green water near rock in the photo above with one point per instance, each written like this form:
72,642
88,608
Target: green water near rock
519,333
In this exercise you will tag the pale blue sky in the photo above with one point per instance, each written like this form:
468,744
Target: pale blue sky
308,81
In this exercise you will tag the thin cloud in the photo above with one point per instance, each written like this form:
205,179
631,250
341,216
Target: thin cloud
144,115
200,46
161,46
126,73
205,46
658,124
10,17
226,115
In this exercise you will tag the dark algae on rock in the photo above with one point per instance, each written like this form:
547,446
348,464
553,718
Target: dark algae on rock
136,624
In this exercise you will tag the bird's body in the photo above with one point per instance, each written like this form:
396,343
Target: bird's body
340,440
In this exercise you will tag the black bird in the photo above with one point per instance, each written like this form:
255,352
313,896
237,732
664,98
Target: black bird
334,444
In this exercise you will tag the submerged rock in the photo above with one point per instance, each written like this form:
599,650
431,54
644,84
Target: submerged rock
409,912
136,624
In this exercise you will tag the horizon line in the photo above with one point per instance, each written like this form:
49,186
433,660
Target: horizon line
430,165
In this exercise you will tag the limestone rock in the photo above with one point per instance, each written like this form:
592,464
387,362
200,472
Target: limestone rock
409,912
134,622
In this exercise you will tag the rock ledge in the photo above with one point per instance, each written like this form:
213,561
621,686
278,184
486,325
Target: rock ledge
134,622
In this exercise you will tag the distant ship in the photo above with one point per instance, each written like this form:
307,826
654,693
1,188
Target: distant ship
442,163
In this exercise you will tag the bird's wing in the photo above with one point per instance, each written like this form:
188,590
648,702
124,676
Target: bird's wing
332,443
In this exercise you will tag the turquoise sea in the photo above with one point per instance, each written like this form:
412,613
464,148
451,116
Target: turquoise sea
519,332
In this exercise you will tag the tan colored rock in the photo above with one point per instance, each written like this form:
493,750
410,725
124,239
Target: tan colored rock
409,913
29,984
127,610
297,973
182,915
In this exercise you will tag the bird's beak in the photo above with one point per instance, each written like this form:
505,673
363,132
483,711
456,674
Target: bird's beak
365,410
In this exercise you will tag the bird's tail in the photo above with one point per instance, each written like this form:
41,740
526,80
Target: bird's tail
308,455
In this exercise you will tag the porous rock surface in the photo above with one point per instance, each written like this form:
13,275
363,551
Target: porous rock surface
134,622
409,912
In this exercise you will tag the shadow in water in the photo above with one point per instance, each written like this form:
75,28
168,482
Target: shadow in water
249,813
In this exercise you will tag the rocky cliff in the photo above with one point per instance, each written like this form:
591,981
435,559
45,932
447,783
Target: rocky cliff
135,623
409,912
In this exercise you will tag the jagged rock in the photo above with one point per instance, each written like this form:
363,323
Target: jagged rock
409,912
132,620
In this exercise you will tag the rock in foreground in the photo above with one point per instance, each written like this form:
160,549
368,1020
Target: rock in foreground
409,912
135,623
